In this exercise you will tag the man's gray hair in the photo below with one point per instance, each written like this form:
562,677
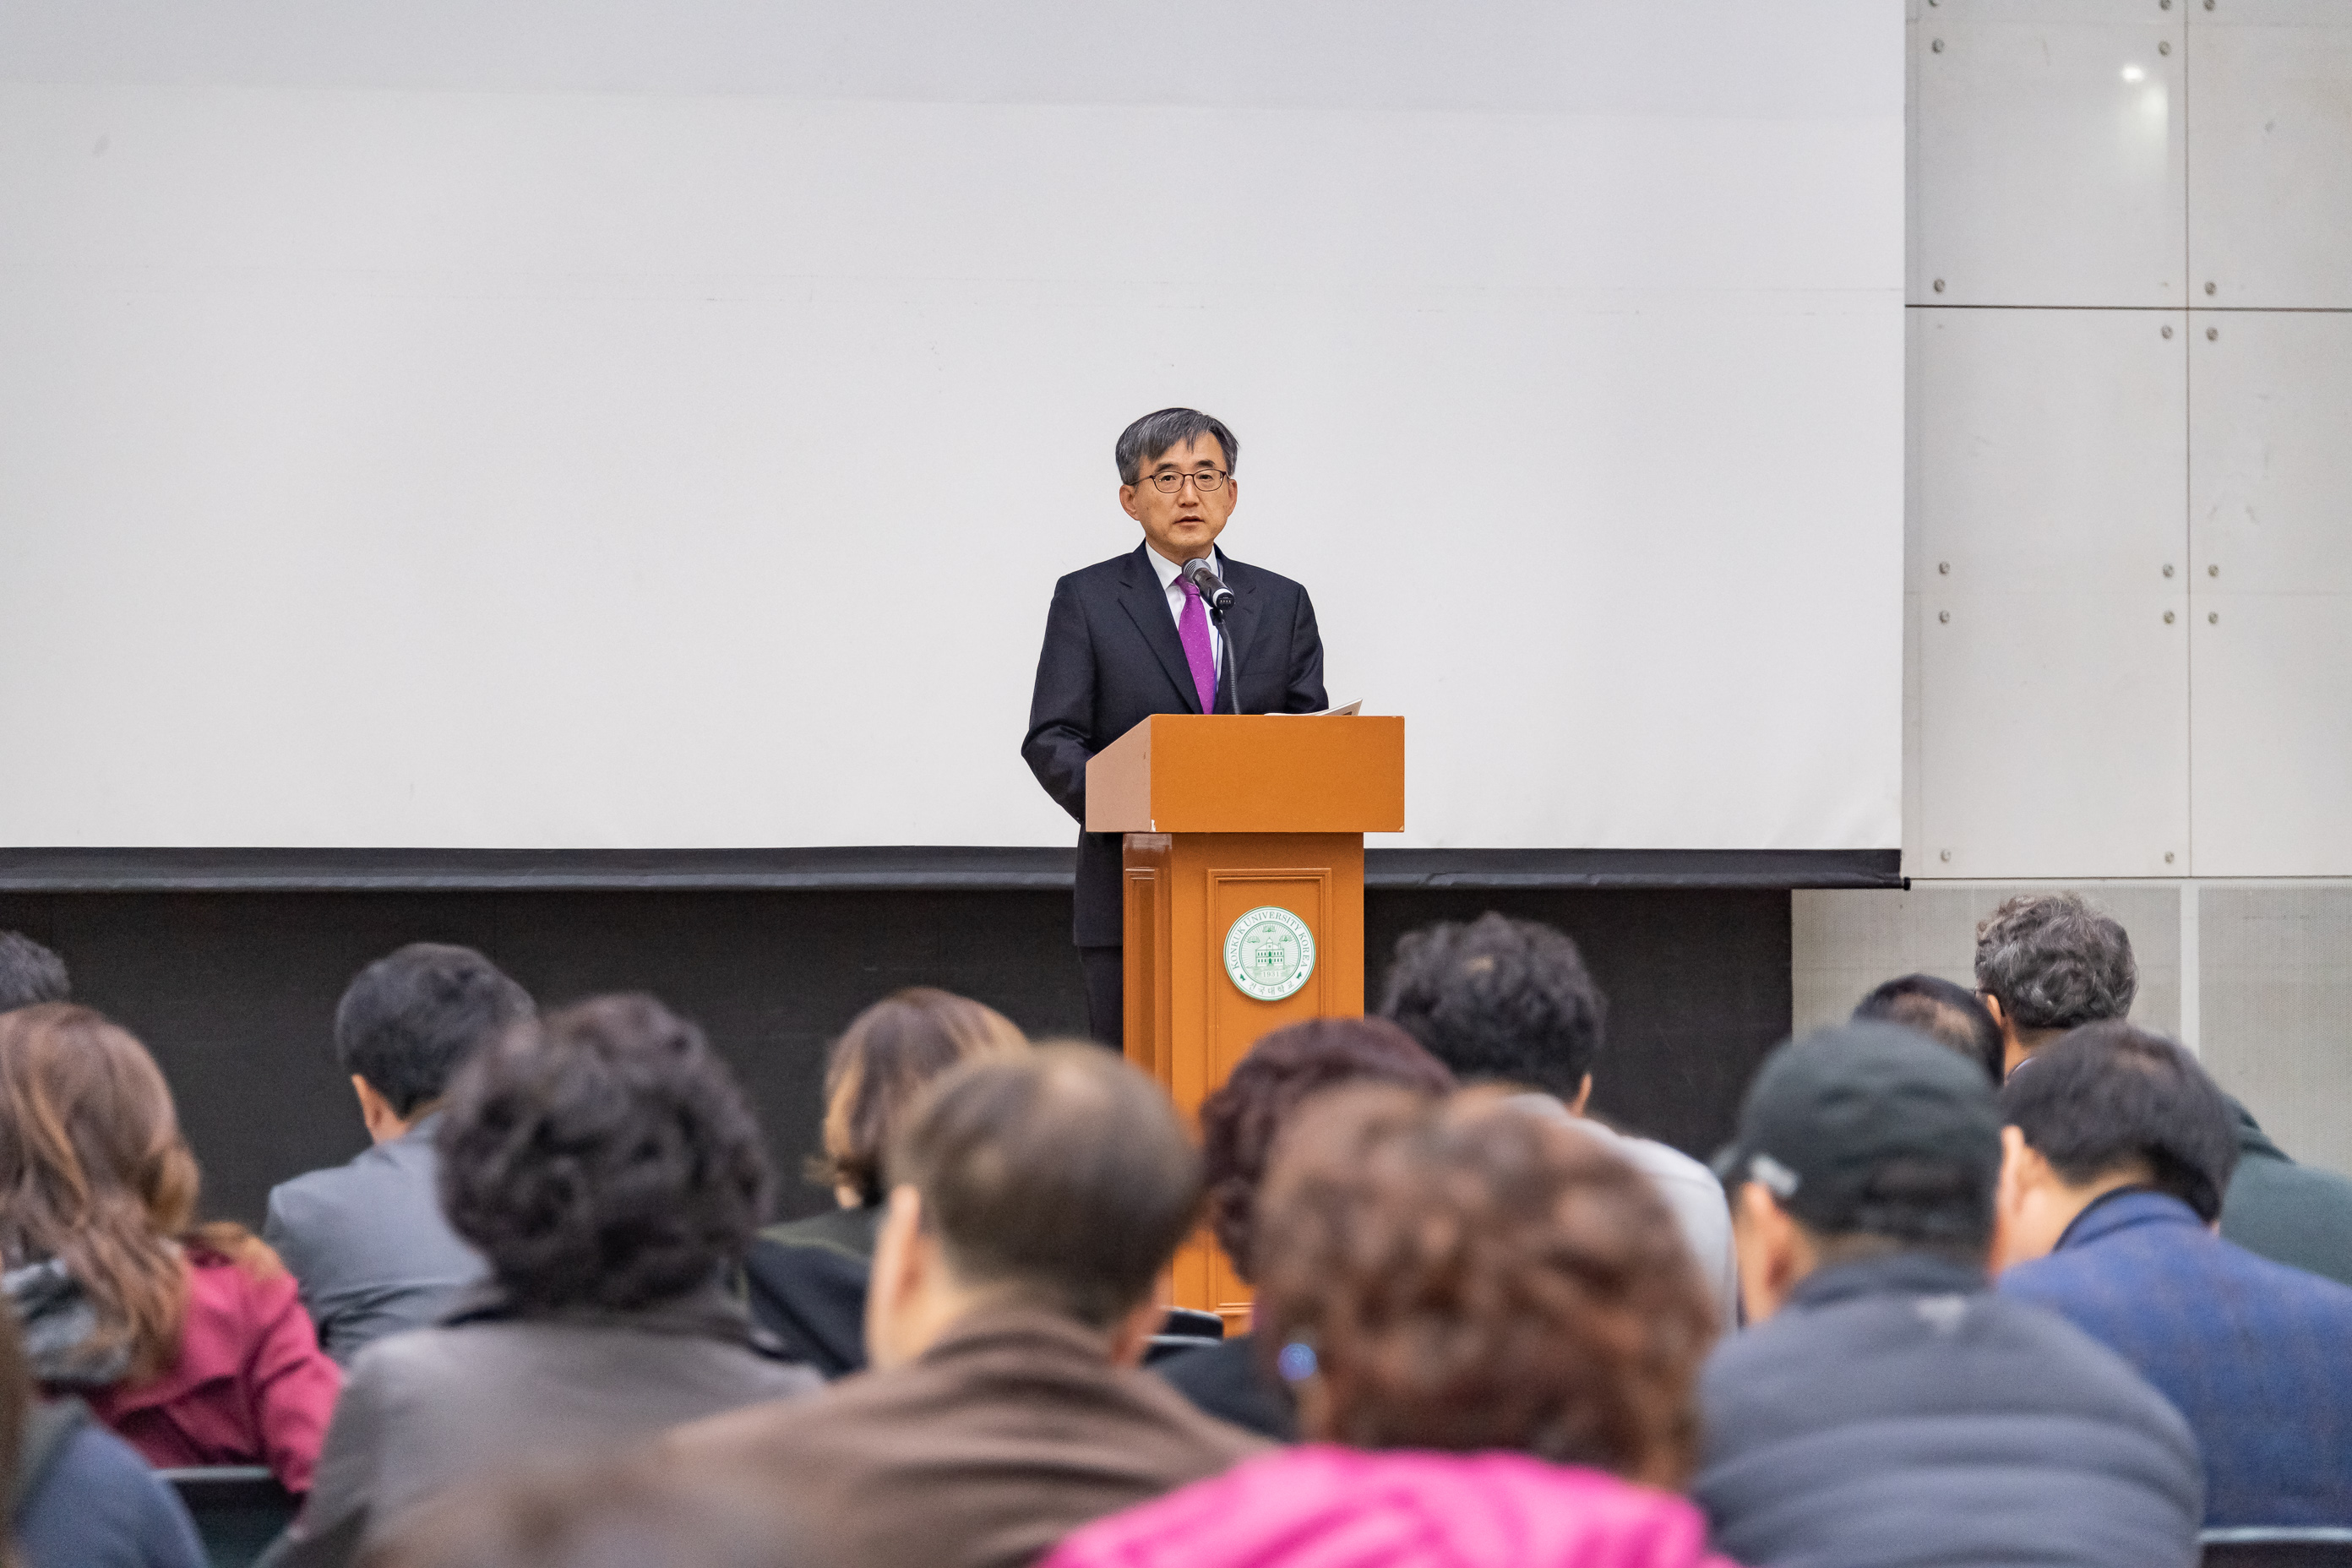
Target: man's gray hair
2054,962
1143,441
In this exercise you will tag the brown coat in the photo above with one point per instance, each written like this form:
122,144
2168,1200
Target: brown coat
1010,1432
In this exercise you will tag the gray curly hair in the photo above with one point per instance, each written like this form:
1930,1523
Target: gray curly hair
2055,962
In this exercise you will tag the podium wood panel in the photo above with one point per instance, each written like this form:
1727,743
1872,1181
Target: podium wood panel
1223,773
1187,1023
1224,813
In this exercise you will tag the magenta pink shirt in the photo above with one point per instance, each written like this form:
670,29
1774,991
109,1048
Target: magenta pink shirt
1324,1507
251,1386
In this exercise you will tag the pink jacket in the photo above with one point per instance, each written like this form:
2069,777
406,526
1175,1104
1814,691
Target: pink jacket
1322,1507
251,1386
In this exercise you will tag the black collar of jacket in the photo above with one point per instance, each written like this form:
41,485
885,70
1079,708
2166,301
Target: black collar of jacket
1895,1274
1145,598
707,1313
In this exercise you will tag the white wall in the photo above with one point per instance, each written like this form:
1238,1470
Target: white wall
2129,584
633,425
2099,441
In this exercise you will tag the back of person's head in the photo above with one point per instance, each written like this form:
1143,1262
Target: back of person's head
2110,1099
29,973
1946,1014
94,1173
881,1064
1061,1173
409,1021
2052,961
1467,1274
1500,1001
601,1156
1241,1121
1873,1138
630,1513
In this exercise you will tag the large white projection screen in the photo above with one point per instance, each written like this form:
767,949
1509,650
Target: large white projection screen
675,444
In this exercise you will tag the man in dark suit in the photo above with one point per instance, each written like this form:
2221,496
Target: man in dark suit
1129,638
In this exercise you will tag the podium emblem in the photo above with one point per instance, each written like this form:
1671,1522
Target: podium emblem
1269,953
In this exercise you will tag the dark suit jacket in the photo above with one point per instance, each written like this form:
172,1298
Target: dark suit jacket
2250,1351
1007,1434
1112,660
1225,1379
805,1283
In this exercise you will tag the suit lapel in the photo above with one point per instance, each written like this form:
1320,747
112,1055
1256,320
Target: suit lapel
1241,627
1145,603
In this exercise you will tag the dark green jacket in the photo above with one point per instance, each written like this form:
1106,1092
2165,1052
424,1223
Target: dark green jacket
805,1283
2296,1215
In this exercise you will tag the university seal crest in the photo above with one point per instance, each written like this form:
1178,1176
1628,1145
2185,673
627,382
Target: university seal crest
1269,953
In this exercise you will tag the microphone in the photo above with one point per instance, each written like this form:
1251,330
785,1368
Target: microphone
1213,592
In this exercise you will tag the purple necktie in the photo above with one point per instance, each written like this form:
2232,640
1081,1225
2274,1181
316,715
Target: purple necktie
1193,631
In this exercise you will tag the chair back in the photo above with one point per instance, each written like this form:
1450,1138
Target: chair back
1184,1322
240,1511
1182,1332
2313,1546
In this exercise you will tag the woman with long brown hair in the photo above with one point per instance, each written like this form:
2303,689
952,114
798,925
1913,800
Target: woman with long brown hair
807,1278
186,1340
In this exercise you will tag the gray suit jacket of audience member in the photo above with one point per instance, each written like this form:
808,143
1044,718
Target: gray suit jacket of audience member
488,1390
1010,1432
1897,1411
1691,1191
367,1245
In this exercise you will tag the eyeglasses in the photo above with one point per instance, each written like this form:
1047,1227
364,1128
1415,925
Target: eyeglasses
1208,481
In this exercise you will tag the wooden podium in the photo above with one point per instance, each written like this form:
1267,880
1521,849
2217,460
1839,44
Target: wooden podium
1229,817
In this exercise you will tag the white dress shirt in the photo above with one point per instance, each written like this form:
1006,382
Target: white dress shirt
1690,1189
1172,583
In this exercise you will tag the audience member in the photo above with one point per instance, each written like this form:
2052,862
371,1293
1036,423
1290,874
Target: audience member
1508,1001
1035,1200
78,1496
1239,1126
2117,1151
367,1240
29,973
1885,1406
602,1162
806,1278
2292,1214
1946,1014
1494,1332
604,1514
189,1343
2048,962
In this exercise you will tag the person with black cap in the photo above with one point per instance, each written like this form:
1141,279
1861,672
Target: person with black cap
1887,1407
